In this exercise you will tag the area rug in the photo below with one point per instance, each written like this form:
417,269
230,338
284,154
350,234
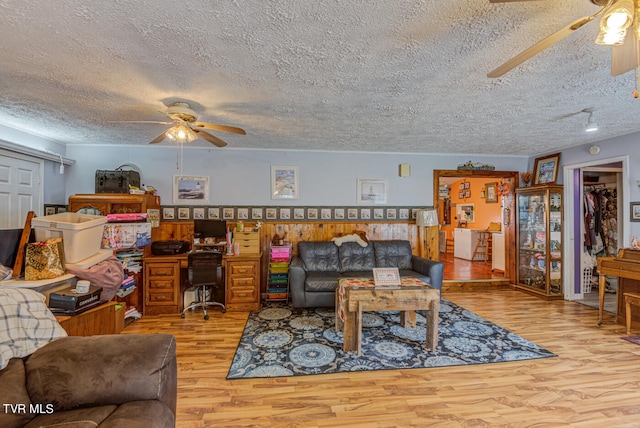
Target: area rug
632,339
279,342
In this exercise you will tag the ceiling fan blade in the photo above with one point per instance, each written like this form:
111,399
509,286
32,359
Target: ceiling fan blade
140,121
540,46
624,58
159,138
223,128
210,138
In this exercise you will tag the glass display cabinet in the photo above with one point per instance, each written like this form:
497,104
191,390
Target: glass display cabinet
539,240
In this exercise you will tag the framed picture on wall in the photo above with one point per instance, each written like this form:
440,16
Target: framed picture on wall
284,182
546,169
190,189
491,193
213,213
635,211
372,191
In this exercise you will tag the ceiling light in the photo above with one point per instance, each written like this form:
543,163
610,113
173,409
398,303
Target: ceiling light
591,123
182,134
614,24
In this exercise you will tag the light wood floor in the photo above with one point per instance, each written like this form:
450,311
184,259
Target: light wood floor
594,381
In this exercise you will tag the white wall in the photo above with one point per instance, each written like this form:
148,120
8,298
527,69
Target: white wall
242,177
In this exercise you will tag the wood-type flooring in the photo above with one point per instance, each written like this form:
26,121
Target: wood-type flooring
593,382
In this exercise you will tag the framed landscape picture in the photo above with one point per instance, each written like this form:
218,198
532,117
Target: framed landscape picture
546,169
190,189
372,191
284,182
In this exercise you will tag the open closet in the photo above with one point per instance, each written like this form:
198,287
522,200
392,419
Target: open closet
601,224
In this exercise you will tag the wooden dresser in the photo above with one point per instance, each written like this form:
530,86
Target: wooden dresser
242,282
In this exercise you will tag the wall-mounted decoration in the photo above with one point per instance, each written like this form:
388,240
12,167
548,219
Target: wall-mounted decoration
378,213
635,211
190,189
312,213
371,191
184,213
403,213
168,213
228,213
198,213
243,213
352,213
298,213
325,213
546,169
272,214
391,213
491,193
365,213
465,212
285,213
213,213
338,213
256,213
284,182
49,210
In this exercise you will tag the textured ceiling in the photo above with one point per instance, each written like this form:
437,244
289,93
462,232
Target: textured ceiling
376,75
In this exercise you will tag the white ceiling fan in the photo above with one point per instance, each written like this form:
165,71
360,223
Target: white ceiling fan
186,127
618,29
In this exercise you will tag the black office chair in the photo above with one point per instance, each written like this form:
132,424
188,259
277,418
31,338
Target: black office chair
205,272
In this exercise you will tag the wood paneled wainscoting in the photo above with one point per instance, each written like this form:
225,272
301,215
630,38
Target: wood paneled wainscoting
295,232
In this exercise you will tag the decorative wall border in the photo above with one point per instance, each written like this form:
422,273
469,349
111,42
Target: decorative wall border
252,213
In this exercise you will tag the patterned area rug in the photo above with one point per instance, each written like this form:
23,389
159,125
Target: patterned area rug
278,342
632,339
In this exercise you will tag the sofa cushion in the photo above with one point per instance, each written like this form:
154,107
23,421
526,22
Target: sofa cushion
14,392
321,281
110,369
319,256
89,417
354,257
404,273
393,254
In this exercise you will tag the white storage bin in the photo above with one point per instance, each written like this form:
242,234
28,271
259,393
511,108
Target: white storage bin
81,233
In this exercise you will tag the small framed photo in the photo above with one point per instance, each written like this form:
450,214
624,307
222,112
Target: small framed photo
312,213
372,191
256,213
272,213
365,214
546,169
49,210
352,213
213,213
243,213
635,211
285,213
325,213
391,213
198,213
228,213
467,193
298,213
386,276
338,213
467,185
284,182
491,194
190,189
378,213
403,213
62,209
168,213
184,213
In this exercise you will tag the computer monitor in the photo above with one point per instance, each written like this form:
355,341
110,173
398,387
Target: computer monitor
216,229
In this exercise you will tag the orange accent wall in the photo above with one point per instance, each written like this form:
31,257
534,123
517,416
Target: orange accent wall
484,213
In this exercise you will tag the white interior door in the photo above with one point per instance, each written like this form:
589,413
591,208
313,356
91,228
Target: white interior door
21,188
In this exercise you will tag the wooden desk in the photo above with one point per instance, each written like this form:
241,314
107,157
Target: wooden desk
626,265
103,319
164,286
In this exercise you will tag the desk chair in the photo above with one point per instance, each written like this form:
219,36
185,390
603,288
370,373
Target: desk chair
205,273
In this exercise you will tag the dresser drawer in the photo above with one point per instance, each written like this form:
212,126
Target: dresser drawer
249,242
242,294
241,281
163,269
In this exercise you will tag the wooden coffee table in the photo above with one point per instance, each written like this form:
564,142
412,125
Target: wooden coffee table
357,295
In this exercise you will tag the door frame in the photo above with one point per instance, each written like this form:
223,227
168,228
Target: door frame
510,203
570,255
40,186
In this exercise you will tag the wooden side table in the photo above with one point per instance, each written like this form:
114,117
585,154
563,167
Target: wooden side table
103,319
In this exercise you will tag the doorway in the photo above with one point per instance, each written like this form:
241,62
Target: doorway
21,188
452,218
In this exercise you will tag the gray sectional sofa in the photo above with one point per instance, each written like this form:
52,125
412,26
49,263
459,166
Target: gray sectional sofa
315,271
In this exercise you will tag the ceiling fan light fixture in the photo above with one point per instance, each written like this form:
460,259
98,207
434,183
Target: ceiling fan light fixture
614,24
182,134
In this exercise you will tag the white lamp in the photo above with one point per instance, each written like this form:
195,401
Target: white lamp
428,218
